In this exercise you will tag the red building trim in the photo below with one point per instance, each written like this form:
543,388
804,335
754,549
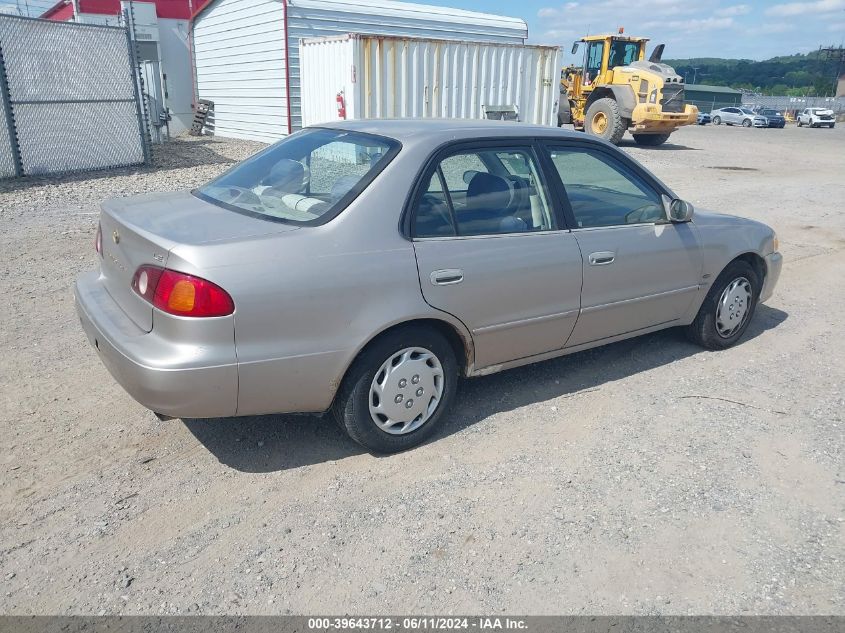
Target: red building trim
167,9
62,11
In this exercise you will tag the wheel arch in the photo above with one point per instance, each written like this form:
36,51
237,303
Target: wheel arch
623,95
755,261
458,337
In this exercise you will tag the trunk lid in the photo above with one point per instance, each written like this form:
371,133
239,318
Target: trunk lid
143,229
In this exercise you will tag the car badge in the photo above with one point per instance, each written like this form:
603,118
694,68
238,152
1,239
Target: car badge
115,237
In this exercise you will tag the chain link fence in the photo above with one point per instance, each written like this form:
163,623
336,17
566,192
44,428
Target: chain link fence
837,104
70,98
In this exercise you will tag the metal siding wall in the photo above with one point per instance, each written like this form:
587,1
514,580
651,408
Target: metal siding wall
397,77
239,52
315,18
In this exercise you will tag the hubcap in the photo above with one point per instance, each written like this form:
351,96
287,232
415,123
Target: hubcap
734,307
600,122
406,390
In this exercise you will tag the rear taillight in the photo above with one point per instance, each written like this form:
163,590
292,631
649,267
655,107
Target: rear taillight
98,241
181,294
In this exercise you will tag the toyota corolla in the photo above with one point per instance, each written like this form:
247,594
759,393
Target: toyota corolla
363,268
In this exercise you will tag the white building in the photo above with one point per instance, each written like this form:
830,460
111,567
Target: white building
246,52
161,30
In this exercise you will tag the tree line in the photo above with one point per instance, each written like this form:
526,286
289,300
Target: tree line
792,75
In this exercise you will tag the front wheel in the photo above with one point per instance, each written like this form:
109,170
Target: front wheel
604,120
717,120
650,140
727,309
799,123
746,123
398,390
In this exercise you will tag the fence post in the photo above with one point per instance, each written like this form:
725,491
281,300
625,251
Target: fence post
6,98
135,71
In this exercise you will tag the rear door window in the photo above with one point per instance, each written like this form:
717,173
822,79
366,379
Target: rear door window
483,192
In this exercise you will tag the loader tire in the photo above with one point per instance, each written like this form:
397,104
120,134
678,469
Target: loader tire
604,120
564,113
650,140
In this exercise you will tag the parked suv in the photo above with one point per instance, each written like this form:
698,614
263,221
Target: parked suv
738,116
816,117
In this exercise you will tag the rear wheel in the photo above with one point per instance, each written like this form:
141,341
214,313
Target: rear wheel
717,120
650,139
727,309
604,120
398,390
799,123
564,113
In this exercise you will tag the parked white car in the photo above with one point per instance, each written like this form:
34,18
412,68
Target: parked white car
738,116
816,117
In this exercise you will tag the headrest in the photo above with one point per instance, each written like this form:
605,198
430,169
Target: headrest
487,191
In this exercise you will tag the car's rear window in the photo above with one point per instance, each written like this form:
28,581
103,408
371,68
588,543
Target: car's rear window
307,178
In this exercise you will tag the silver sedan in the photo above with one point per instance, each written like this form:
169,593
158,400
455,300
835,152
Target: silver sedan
364,268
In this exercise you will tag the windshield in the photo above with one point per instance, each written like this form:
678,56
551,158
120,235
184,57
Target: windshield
308,175
623,53
745,111
770,112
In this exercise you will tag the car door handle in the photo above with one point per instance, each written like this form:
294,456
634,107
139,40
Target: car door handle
602,258
447,276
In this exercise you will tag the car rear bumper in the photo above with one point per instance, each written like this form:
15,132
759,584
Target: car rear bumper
774,263
190,379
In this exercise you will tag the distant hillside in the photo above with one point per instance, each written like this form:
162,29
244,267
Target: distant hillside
793,75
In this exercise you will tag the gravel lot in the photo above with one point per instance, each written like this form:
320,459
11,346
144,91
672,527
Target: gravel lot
645,477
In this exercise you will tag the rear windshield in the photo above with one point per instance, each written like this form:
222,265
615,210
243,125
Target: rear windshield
307,178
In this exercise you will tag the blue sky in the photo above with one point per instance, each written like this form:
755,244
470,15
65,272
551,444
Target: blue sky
693,28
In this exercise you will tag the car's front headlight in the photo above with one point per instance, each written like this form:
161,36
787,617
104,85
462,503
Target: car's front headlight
775,243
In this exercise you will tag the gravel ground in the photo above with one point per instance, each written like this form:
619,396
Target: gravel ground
645,477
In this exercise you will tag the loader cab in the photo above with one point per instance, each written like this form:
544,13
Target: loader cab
602,53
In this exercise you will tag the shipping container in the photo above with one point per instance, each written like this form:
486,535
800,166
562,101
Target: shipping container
357,76
246,52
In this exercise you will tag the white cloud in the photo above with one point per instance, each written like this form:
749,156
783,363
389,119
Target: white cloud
694,24
738,9
806,8
771,28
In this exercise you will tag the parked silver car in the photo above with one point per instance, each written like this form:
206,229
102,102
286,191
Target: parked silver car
738,116
363,268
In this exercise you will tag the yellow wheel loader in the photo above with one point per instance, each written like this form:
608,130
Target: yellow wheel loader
617,89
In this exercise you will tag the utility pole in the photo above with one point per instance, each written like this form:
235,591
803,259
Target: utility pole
835,54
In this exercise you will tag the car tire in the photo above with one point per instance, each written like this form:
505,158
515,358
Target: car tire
711,328
406,346
746,123
799,123
650,140
717,120
607,110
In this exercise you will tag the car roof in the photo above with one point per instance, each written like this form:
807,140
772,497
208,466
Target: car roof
442,130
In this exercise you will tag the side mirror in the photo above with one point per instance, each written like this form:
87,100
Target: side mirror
678,210
574,48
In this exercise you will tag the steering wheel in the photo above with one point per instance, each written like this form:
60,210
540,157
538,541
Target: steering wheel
233,194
